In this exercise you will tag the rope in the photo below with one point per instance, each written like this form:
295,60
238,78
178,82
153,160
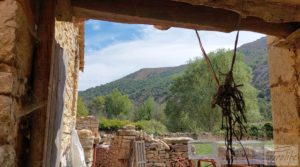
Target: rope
230,99
207,60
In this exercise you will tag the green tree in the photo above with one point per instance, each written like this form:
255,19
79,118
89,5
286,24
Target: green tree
189,102
117,105
97,106
81,108
159,113
145,111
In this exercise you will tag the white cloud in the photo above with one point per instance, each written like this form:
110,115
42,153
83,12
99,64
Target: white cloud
94,24
154,49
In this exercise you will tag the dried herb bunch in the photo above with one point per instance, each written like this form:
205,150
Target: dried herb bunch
230,99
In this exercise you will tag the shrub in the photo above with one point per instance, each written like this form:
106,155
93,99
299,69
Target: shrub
151,127
113,124
268,130
254,131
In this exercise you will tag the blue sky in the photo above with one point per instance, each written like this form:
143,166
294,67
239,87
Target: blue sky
113,50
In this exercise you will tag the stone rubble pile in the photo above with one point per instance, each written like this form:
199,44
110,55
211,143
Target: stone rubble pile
158,153
87,142
88,122
87,129
178,148
103,155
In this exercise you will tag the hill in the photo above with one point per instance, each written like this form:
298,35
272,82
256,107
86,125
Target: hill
155,81
257,58
139,85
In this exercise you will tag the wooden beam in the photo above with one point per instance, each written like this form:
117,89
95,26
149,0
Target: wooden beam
275,11
175,14
40,117
63,10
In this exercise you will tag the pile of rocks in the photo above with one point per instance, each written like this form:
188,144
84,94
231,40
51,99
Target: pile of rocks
88,122
86,138
178,149
121,146
87,129
103,156
158,153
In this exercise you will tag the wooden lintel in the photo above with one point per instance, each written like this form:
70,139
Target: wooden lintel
275,11
63,10
175,14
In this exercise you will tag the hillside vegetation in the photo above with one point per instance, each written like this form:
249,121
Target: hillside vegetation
179,98
139,85
155,82
257,58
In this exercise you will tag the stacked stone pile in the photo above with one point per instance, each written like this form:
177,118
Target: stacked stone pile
158,153
106,138
180,134
103,156
121,146
88,122
178,148
87,141
87,128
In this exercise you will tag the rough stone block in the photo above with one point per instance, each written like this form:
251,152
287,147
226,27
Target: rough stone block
5,104
84,133
177,140
285,108
6,82
7,44
5,129
7,156
285,59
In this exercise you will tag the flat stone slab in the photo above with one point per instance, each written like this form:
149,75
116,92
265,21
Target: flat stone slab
177,139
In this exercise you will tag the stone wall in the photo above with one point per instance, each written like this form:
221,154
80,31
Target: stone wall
66,35
284,72
87,139
16,39
158,153
88,133
88,122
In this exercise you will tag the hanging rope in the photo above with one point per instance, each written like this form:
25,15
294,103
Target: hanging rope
208,62
230,99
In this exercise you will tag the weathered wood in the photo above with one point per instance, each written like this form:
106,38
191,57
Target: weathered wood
40,118
63,10
139,152
56,108
176,14
276,11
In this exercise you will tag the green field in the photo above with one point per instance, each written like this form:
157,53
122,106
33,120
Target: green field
203,148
